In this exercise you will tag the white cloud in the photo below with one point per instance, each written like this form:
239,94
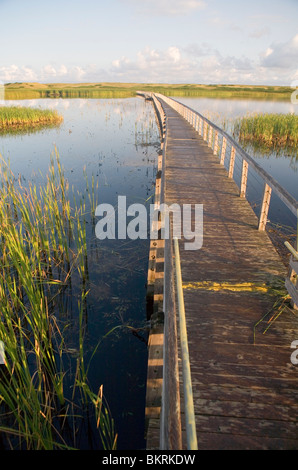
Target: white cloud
174,53
268,52
14,73
151,65
200,63
282,55
49,71
196,63
53,73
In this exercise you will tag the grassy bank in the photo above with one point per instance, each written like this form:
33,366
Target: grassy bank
45,399
20,117
269,131
125,90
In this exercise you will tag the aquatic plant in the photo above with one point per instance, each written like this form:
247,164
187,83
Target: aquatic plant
18,117
273,131
42,249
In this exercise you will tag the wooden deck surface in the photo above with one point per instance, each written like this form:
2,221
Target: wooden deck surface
245,392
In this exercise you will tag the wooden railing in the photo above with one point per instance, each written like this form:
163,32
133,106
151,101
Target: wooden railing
225,147
190,421
221,142
170,418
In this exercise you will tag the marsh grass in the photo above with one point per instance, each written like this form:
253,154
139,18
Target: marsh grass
21,117
42,247
124,90
269,131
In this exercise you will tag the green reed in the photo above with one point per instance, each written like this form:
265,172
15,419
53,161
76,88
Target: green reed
20,116
43,244
275,131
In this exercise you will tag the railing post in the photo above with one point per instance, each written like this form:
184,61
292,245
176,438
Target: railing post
205,131
215,150
210,136
197,123
244,178
232,162
223,150
265,207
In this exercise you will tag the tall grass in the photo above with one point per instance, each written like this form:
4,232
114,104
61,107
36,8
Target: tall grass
123,90
273,131
42,247
21,116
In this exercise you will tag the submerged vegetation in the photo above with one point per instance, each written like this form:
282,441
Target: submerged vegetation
269,131
43,258
14,91
21,117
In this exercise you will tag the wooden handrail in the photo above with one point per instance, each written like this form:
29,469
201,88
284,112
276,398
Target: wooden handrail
209,131
284,196
190,422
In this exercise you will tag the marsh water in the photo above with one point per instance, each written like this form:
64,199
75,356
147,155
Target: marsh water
116,141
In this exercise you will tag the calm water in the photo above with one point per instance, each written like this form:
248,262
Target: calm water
117,141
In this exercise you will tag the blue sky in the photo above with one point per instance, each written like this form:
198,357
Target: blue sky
166,41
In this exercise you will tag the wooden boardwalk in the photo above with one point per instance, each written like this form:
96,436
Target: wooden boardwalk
244,388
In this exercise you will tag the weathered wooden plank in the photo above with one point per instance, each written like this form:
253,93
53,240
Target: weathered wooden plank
171,437
245,394
263,411
221,391
248,427
218,441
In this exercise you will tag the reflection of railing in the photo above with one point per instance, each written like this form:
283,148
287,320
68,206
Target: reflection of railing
223,144
191,435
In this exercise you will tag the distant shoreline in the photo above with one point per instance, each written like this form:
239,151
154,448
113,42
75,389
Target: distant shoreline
33,90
